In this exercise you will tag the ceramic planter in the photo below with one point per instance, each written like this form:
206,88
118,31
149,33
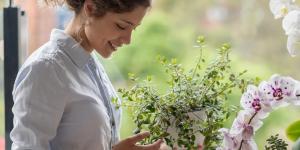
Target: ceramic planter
199,137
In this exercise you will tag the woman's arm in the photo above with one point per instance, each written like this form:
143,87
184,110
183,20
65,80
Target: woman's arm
39,101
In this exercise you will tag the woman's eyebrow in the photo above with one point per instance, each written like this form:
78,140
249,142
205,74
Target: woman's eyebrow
128,22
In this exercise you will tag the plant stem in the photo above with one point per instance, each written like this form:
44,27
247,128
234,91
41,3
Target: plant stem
200,56
248,123
213,81
199,60
212,134
198,117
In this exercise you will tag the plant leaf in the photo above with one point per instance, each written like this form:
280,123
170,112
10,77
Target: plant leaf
207,139
293,131
136,131
193,137
164,134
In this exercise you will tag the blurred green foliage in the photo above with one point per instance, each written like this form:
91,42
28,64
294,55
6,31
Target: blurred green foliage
171,28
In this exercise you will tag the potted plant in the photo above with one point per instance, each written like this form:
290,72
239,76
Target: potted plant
193,106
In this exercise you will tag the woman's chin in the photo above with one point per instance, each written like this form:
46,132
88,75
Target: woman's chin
105,55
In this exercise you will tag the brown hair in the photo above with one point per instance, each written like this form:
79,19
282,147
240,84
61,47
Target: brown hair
101,6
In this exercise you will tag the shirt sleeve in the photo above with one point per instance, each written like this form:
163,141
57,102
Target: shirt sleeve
39,101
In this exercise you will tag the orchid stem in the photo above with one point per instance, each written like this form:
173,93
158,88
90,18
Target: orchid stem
248,123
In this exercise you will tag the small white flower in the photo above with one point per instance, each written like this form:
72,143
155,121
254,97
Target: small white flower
291,22
293,43
280,8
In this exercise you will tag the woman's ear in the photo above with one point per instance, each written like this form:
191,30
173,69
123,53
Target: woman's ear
88,7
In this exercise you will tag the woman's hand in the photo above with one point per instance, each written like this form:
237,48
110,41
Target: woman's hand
129,143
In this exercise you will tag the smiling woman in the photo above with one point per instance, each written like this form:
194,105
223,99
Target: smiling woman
62,93
105,35
104,25
105,29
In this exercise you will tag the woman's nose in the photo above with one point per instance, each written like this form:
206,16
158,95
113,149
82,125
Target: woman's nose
126,39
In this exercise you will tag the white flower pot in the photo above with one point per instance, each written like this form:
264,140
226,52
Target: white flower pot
199,137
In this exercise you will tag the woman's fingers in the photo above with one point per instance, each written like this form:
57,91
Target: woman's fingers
154,146
200,147
138,137
164,146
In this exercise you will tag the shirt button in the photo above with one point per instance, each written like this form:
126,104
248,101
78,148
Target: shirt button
112,123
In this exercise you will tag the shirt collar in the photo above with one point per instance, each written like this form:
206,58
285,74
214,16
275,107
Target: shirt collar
76,52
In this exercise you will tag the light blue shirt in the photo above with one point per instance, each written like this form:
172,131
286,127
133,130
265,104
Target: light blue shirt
62,100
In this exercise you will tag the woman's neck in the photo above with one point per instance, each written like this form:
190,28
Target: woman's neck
76,30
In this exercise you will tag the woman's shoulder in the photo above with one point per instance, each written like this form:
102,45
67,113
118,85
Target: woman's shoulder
48,55
44,61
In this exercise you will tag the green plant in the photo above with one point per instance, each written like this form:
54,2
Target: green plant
188,91
276,144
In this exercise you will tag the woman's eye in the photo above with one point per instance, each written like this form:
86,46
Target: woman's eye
120,27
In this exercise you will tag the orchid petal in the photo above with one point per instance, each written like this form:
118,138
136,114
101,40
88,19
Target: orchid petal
243,118
280,91
281,8
274,80
247,132
230,141
296,101
255,101
246,102
249,145
291,21
293,43
287,85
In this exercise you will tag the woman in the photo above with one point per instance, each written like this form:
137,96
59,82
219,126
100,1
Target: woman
62,93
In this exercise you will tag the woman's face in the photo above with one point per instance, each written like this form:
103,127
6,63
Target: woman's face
107,34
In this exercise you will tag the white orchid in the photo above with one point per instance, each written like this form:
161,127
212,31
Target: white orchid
280,91
293,43
230,141
243,119
258,102
281,8
291,22
234,141
254,101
